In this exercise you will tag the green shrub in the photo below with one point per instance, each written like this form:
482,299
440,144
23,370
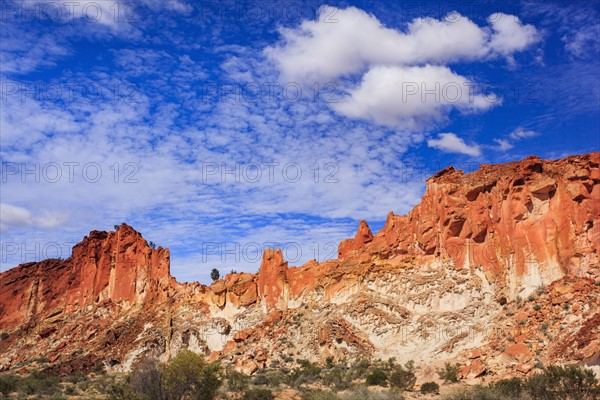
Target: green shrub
449,373
8,384
236,381
430,387
564,383
553,383
186,376
258,394
39,383
337,378
510,388
261,379
363,393
475,393
318,395
376,378
4,336
189,375
307,373
360,368
275,378
403,378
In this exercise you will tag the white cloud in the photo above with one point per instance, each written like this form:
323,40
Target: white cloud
385,60
321,51
520,133
451,143
411,97
14,216
510,35
503,145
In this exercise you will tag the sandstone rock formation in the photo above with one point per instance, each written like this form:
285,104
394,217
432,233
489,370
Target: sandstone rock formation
486,269
106,266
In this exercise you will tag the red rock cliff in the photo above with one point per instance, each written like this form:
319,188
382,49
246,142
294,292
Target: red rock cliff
117,266
526,223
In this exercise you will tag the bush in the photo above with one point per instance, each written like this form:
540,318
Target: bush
363,393
275,378
318,395
8,384
308,372
564,383
4,336
360,368
376,378
236,381
403,378
337,378
186,376
476,393
189,375
258,394
430,387
553,383
510,388
261,378
449,373
39,383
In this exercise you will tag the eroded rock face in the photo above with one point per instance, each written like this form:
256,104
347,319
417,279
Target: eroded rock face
434,285
115,266
525,223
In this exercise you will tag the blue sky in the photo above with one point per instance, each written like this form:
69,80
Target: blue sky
218,129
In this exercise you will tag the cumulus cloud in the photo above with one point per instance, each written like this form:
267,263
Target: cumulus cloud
451,143
383,60
411,97
319,51
510,35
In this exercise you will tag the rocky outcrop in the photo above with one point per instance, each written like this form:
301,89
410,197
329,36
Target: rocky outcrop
526,223
116,266
272,280
352,246
437,284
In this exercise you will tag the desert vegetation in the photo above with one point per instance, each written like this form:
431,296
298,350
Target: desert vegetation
189,377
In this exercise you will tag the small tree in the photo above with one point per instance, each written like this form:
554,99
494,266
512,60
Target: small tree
376,378
403,378
189,376
449,373
214,274
146,381
152,245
